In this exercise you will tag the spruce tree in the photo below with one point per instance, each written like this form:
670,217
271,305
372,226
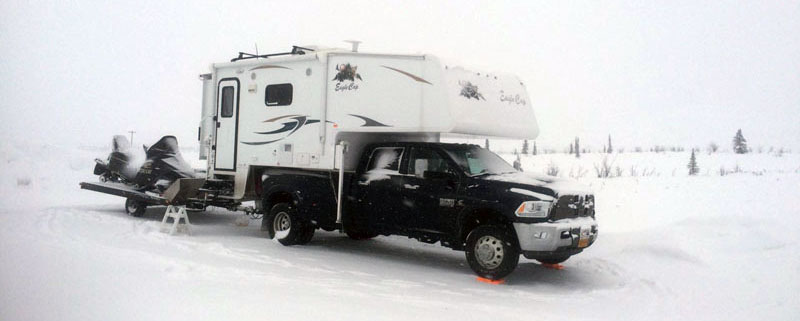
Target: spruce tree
534,148
693,169
739,143
486,144
525,147
571,148
610,149
577,148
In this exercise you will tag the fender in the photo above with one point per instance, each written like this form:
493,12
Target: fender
311,193
473,215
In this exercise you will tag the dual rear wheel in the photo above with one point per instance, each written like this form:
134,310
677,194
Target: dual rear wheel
286,226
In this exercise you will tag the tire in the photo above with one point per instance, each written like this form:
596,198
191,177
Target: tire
135,208
354,235
357,228
492,252
285,226
307,234
553,259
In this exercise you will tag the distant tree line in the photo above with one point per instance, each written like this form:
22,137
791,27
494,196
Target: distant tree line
739,144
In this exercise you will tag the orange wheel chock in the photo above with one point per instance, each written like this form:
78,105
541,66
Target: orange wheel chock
553,266
485,280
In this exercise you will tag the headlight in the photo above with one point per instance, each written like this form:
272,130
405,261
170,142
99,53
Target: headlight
537,209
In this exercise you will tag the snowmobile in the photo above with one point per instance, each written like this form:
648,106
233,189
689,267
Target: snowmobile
163,165
163,178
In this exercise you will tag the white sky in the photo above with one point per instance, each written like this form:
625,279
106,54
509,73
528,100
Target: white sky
669,72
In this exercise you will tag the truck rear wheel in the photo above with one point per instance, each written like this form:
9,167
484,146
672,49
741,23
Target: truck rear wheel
135,208
306,235
285,225
491,252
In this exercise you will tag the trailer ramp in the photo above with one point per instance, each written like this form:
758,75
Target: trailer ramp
120,189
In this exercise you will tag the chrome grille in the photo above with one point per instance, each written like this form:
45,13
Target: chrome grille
572,206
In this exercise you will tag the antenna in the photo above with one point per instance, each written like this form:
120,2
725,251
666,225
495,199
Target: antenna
256,50
354,44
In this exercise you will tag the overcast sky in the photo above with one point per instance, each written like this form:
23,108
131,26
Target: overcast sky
668,72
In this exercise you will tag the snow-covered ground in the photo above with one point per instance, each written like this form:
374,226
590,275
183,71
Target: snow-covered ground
671,247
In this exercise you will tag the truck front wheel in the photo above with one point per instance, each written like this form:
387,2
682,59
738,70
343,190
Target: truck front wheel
491,252
285,225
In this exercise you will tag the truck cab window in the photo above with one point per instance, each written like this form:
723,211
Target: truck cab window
279,95
426,159
475,160
227,101
385,158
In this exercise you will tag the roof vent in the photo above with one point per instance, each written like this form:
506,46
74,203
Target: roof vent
354,44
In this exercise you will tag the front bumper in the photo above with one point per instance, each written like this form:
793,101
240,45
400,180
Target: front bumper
562,237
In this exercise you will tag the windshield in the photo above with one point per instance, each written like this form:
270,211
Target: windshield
475,160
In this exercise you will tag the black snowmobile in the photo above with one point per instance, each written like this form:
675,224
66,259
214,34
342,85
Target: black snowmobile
163,165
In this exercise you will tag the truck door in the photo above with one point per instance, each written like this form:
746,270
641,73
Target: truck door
429,190
227,124
379,186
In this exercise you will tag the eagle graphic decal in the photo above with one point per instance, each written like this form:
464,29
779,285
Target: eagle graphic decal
346,72
470,91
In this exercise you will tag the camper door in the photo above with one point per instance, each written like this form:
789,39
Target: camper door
227,120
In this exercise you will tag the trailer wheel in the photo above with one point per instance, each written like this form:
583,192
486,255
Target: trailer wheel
284,225
491,252
135,208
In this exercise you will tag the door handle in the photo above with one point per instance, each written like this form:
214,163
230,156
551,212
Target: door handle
409,186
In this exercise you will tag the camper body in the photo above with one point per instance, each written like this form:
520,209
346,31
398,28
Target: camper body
292,111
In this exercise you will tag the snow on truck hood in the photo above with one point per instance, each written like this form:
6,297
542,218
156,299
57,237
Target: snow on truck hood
560,186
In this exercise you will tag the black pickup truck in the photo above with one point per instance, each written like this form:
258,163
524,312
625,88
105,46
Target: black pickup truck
463,196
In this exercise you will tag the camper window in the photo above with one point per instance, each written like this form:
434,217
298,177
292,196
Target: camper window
227,101
279,95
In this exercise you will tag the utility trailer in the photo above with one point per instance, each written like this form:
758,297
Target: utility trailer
342,140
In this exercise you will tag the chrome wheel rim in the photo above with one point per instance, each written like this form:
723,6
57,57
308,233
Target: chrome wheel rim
282,222
489,252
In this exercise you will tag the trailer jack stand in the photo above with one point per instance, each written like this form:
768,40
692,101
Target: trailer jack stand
176,213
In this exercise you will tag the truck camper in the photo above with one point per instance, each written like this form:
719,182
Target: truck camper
342,140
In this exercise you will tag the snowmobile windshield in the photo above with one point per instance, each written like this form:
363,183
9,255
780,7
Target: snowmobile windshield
475,160
166,152
165,146
120,144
